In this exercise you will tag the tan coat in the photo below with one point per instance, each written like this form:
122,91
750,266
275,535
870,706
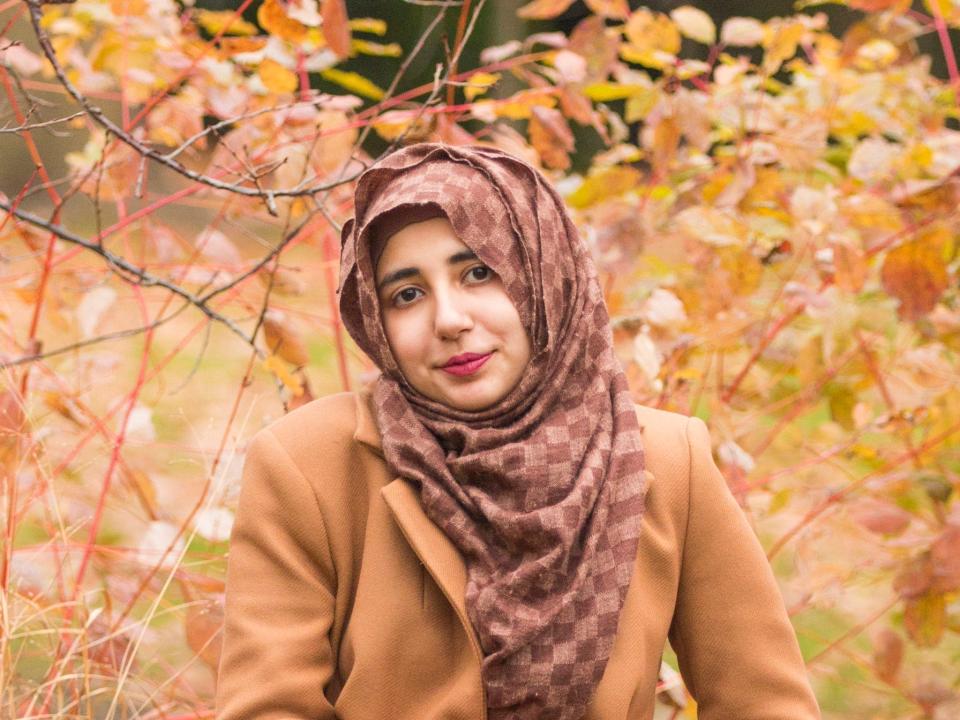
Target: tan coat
345,601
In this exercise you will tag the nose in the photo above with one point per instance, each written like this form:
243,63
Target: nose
451,314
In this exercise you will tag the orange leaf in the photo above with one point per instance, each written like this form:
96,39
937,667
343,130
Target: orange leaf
274,19
204,622
850,267
915,273
336,28
887,654
543,9
284,340
551,137
618,9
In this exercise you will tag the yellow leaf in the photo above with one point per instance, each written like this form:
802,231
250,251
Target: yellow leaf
375,26
949,10
608,91
276,77
604,184
274,19
479,83
876,54
394,123
694,24
354,82
365,47
516,107
283,340
228,22
650,34
780,42
279,369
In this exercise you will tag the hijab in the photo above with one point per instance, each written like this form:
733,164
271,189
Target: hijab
542,493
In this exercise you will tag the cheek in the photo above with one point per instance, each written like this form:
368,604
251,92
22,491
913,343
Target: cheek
404,334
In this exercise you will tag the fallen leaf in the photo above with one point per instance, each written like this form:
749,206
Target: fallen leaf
925,619
887,654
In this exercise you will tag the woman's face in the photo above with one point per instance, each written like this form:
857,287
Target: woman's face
439,301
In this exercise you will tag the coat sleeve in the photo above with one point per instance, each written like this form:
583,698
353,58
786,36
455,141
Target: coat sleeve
276,658
737,650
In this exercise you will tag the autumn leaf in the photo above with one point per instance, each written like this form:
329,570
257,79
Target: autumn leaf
276,78
881,517
203,630
617,9
283,340
741,31
336,29
281,371
694,24
228,22
925,619
543,9
273,18
945,558
365,47
915,274
478,84
887,654
653,39
354,82
551,137
606,183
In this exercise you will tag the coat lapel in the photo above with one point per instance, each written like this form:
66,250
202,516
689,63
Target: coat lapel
441,558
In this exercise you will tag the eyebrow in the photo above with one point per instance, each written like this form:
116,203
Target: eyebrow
406,272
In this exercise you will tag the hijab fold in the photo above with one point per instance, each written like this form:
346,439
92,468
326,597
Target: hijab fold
542,493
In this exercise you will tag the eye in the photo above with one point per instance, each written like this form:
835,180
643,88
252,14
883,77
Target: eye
404,297
485,273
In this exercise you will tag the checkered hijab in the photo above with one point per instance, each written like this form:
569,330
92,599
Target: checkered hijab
542,493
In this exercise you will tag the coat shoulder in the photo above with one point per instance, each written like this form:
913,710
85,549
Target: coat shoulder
320,434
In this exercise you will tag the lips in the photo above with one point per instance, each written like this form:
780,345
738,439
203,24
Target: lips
463,359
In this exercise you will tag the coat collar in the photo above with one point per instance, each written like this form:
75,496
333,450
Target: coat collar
442,560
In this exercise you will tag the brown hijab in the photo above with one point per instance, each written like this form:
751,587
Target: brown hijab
542,493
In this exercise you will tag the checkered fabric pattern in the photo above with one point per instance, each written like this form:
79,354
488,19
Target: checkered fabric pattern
543,492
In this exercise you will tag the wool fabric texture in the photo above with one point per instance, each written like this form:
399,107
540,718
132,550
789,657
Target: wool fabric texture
543,492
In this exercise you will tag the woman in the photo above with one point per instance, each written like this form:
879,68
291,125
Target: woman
492,528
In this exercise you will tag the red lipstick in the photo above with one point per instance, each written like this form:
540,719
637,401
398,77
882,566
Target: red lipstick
465,364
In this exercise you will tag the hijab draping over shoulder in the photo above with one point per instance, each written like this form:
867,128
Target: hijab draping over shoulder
542,493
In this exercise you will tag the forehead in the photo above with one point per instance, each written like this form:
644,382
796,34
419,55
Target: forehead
419,243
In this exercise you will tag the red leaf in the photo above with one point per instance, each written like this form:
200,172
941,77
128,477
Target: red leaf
887,654
883,518
945,559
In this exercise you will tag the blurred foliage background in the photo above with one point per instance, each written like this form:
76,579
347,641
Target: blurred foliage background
771,194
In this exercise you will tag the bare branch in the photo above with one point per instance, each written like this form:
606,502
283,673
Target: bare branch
142,277
100,118
47,123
